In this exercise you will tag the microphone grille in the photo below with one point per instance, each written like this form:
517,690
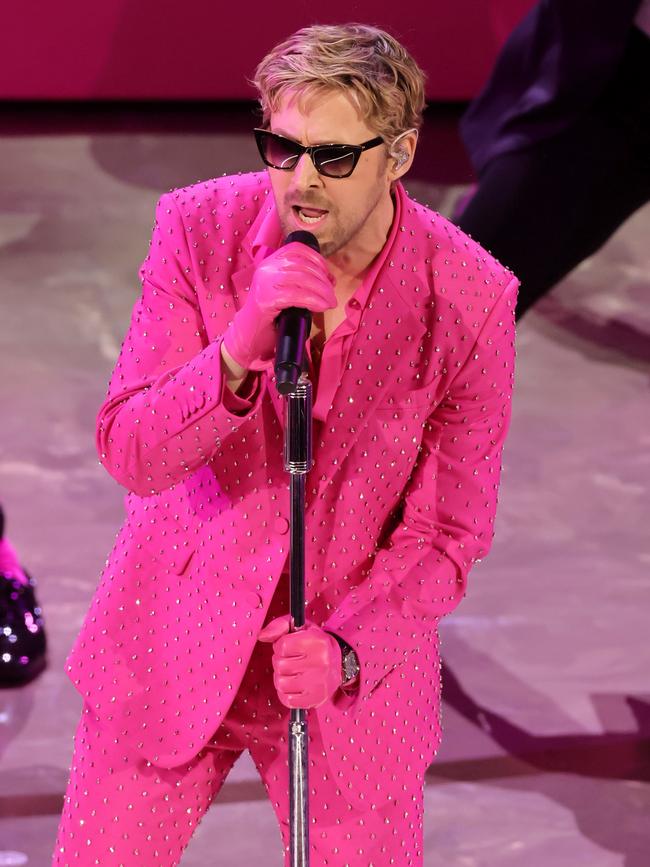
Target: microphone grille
303,238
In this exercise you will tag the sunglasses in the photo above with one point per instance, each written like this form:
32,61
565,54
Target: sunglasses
331,160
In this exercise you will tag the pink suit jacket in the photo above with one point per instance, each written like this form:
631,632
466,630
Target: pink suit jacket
399,504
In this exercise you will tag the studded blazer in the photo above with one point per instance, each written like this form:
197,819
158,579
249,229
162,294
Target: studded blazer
399,504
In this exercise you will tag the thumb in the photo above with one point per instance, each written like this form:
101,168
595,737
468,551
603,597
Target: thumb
273,630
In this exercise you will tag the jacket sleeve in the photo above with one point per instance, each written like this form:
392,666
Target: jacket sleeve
168,408
449,506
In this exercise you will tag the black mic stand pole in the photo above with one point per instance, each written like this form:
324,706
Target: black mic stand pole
293,383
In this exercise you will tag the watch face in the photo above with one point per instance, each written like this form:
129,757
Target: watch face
350,665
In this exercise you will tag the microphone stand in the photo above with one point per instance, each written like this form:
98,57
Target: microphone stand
297,461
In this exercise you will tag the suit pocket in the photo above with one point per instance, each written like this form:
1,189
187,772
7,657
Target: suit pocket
173,622
381,680
413,404
174,557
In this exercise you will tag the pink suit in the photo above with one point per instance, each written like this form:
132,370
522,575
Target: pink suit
400,503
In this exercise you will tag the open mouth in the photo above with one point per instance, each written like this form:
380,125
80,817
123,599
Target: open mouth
308,216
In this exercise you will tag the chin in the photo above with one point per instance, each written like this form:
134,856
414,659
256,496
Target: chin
327,248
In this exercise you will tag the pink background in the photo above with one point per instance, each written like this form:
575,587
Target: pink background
140,49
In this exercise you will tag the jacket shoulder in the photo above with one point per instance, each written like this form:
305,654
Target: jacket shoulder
467,286
230,196
455,252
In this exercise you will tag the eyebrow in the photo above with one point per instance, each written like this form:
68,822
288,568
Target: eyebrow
317,144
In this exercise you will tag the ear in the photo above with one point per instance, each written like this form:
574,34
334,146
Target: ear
401,155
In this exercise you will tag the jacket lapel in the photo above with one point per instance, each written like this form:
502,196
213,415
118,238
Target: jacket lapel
387,341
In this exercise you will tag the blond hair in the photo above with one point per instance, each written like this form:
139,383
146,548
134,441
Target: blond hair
364,62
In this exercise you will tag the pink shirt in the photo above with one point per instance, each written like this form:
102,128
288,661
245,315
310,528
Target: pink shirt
336,348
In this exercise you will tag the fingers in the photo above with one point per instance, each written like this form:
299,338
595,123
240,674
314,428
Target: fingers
308,642
289,666
289,684
309,295
293,276
308,663
296,290
306,669
308,697
297,252
275,629
298,257
292,693
296,272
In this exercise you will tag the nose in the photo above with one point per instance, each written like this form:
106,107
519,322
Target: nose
305,174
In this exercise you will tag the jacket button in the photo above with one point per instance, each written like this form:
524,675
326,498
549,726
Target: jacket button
280,525
252,599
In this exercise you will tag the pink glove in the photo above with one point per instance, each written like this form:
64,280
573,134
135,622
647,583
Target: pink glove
306,663
293,276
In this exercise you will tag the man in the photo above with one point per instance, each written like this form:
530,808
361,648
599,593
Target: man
185,658
560,138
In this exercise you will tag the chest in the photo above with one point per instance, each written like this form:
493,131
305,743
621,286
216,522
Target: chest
324,324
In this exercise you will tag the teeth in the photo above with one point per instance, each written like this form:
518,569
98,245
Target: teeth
307,219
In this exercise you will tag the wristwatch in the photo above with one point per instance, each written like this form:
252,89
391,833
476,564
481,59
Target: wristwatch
349,660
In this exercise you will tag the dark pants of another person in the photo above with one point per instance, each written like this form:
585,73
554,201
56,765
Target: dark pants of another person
543,210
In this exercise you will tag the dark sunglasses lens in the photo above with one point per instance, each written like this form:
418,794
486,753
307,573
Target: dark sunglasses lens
337,162
278,152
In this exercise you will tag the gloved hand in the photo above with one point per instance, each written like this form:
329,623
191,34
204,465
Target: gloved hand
292,276
306,663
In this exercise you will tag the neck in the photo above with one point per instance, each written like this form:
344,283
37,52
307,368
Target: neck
351,262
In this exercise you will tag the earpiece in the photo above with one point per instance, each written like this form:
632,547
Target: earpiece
398,153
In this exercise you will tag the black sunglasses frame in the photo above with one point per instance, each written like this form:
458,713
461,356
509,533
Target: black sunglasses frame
312,150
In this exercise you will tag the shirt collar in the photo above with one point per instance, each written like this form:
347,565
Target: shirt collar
380,258
268,236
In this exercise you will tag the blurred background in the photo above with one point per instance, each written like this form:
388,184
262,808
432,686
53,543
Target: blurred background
546,751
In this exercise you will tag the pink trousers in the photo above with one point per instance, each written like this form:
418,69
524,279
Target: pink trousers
122,811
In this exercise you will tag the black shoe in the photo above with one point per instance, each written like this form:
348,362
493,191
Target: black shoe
22,631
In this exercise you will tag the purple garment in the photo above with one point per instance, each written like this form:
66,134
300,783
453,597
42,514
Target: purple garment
553,67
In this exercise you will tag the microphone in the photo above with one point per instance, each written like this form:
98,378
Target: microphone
293,327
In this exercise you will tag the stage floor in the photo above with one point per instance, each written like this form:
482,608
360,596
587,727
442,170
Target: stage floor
546,759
